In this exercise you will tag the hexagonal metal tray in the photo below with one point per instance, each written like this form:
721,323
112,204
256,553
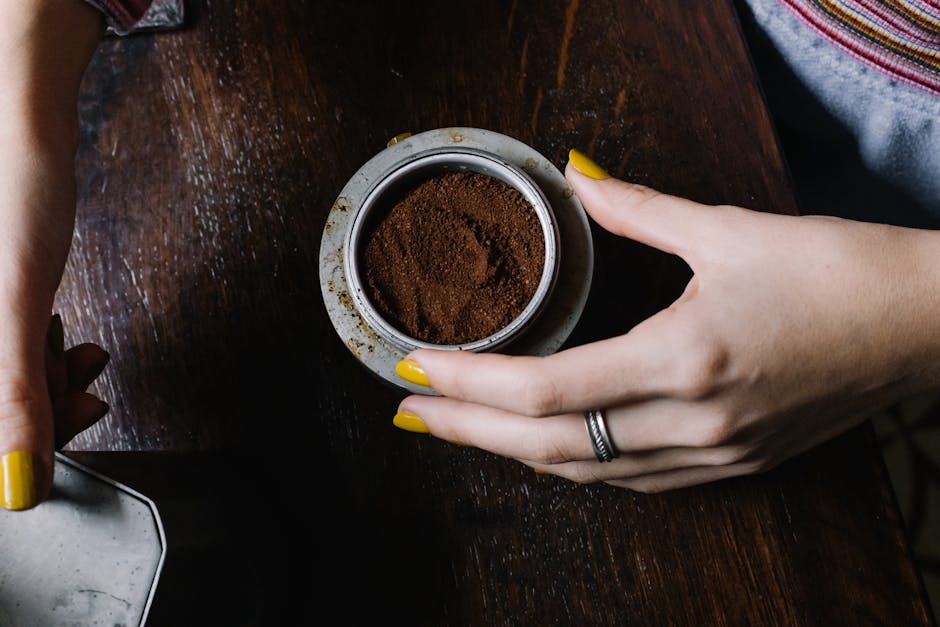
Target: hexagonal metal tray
89,555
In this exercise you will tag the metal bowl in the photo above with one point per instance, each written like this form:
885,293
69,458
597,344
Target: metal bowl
414,170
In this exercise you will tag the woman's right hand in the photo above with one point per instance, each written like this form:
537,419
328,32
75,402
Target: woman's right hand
791,331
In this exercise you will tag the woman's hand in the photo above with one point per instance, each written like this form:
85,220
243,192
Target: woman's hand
791,331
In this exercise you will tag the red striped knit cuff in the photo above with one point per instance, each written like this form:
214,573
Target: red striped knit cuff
122,15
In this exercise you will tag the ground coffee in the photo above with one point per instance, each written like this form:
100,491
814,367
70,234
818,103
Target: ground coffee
456,259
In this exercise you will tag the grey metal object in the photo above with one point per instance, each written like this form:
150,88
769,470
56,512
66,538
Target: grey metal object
419,166
575,252
162,15
89,555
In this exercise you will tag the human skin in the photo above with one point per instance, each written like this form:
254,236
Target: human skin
46,46
792,330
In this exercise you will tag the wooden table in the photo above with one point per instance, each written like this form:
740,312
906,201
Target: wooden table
210,158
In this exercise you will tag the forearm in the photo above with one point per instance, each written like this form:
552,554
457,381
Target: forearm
46,46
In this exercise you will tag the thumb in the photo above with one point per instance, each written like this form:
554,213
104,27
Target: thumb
26,422
669,223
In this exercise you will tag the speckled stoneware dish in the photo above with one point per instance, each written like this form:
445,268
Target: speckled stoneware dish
550,317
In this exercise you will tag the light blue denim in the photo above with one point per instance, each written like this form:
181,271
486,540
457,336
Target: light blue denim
860,144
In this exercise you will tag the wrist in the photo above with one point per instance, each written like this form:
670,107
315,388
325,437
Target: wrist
922,307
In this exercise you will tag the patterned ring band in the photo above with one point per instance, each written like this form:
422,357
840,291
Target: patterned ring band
600,439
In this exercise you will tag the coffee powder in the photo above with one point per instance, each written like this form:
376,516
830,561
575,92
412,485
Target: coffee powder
455,260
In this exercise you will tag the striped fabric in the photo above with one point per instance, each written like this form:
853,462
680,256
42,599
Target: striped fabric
899,37
123,15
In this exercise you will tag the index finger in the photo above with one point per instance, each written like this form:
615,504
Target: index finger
670,223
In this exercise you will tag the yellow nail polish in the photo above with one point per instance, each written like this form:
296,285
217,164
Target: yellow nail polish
18,480
397,138
409,370
539,472
583,164
410,422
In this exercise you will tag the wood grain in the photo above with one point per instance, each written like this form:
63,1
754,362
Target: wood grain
210,158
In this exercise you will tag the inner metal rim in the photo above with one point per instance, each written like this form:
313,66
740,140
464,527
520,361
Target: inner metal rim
455,159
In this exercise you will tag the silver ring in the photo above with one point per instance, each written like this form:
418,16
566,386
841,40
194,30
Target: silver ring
600,439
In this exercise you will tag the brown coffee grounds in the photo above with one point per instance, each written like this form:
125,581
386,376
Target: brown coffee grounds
455,260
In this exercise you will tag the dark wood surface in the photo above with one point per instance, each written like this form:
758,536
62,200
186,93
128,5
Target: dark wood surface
209,160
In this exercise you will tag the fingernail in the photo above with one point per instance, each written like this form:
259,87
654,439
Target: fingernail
539,472
456,443
583,164
397,138
56,336
409,370
410,422
102,410
18,480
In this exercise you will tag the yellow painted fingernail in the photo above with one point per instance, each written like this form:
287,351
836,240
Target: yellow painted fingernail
410,422
18,480
583,164
397,138
409,370
539,472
